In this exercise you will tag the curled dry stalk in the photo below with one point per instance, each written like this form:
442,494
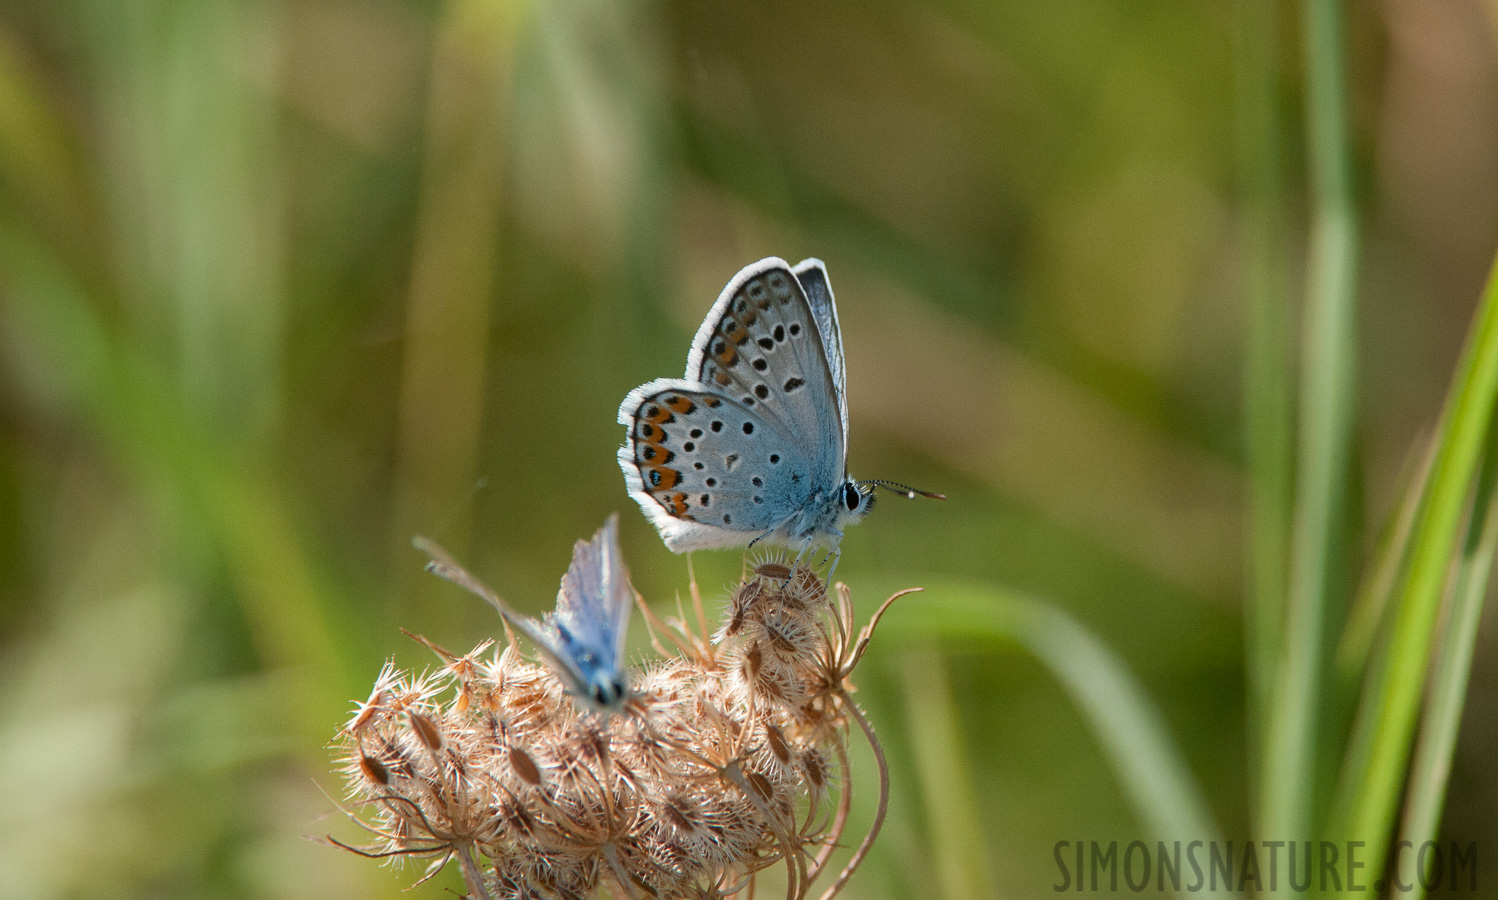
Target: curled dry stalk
850,652
868,841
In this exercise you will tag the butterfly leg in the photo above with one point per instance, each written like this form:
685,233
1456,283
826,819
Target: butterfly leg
837,554
805,546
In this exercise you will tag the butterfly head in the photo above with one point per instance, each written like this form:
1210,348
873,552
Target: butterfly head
607,689
855,500
588,671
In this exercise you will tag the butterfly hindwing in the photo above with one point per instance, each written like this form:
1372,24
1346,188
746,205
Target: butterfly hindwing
709,471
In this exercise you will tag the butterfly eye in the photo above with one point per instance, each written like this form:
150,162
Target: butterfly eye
851,497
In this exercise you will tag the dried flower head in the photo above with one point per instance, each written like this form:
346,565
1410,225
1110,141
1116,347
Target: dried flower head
723,761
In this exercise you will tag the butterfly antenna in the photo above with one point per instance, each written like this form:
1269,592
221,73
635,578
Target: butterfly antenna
905,489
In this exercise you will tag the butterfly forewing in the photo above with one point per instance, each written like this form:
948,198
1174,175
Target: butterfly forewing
762,346
595,598
812,274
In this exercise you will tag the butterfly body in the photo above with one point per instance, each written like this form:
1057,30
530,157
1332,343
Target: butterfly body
751,444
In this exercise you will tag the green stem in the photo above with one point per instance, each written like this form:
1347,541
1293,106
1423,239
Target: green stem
1365,808
1327,411
959,864
1431,767
1266,384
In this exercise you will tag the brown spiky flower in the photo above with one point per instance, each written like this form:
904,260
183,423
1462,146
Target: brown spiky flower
729,756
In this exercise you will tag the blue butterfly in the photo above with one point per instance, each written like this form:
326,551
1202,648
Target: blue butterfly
583,639
751,445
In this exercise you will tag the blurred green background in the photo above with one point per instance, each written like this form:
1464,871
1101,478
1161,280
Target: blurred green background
285,282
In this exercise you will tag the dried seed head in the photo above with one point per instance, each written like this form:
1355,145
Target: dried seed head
815,767
680,795
761,785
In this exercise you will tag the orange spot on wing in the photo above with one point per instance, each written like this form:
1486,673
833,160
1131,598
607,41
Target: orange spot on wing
654,454
655,412
660,478
680,405
721,377
676,503
734,331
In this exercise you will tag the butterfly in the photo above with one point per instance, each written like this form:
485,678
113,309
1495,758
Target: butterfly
751,445
583,639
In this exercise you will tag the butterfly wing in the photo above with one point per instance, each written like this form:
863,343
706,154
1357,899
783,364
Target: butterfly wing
752,440
593,606
812,275
762,346
707,470
444,566
545,636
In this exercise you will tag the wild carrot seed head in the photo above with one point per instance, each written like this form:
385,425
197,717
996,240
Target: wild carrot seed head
701,779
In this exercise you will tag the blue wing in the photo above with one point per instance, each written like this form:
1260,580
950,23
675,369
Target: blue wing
593,605
754,437
708,470
812,273
761,345
583,639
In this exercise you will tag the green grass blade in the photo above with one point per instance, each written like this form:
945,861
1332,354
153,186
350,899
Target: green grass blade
1370,607
1267,399
1327,407
941,762
1151,771
1365,810
1431,766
